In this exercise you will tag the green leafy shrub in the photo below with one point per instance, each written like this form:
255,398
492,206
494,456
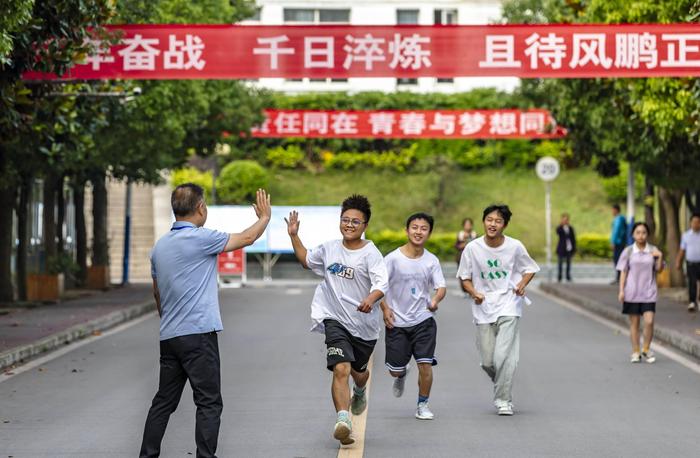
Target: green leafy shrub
193,175
593,245
440,244
289,157
616,187
239,180
389,160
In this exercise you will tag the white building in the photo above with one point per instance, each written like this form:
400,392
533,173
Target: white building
382,12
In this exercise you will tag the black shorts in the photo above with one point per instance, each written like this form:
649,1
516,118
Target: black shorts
418,341
341,347
638,308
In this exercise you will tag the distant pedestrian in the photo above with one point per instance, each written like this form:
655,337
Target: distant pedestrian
416,287
690,250
495,270
466,235
345,307
566,246
618,237
183,267
638,265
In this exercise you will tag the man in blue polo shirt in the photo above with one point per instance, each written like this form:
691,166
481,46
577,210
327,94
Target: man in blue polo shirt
183,266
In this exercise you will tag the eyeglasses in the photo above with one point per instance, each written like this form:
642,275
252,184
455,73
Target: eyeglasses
353,222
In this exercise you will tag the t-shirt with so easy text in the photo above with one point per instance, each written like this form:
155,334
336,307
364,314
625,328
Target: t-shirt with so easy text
495,272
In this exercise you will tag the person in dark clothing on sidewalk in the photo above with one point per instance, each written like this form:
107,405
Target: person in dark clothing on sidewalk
566,246
618,238
690,250
183,267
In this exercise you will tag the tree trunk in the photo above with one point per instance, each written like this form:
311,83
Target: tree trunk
692,200
7,198
25,194
100,250
80,231
670,200
49,223
649,210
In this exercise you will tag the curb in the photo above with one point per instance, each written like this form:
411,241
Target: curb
669,336
52,342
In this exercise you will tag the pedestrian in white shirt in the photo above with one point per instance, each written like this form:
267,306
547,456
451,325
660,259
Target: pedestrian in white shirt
409,309
495,270
343,307
690,250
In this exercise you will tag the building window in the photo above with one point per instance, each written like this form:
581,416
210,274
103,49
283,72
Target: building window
406,17
299,15
445,17
256,15
317,16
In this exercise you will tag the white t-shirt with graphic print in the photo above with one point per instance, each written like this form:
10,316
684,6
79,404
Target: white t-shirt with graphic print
411,283
495,272
348,277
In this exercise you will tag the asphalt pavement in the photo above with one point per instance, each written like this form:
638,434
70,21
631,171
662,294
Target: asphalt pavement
575,393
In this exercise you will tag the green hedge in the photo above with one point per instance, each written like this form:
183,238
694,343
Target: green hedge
239,181
593,245
289,157
193,175
440,244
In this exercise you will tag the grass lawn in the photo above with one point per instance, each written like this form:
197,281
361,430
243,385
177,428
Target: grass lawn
396,195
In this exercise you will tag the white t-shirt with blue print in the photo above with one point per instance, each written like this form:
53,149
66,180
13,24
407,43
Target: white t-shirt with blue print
348,277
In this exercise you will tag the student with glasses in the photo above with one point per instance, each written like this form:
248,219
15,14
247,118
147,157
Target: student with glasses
344,305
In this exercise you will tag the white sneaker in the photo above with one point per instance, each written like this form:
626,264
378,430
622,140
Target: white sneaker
423,411
505,409
649,356
692,307
635,357
399,384
342,431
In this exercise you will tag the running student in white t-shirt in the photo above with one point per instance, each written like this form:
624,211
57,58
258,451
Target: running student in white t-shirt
343,307
495,270
408,308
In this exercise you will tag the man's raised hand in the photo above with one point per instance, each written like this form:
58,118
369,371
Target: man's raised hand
262,206
293,223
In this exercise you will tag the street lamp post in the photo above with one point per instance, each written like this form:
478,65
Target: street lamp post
547,169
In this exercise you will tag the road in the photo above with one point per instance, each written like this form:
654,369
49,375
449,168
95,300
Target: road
575,394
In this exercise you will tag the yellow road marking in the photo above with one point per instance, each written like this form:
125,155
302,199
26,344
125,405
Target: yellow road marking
359,423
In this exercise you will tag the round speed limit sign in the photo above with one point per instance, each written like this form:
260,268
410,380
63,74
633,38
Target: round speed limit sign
547,168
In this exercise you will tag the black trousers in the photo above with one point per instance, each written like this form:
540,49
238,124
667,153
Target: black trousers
195,358
693,272
617,252
561,261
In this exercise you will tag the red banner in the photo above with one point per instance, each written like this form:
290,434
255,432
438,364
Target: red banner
341,51
454,124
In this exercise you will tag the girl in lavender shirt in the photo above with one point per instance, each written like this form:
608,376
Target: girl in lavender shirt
639,263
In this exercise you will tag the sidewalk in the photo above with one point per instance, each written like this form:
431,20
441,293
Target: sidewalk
674,325
28,331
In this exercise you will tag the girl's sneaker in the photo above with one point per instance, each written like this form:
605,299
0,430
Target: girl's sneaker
649,356
636,357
